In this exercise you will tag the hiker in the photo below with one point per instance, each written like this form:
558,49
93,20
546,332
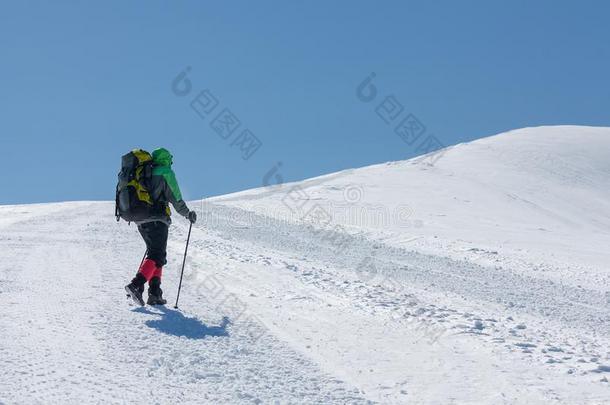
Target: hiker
162,189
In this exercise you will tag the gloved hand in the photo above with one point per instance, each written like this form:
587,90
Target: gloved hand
193,217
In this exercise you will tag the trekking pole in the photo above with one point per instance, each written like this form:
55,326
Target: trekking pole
183,262
142,262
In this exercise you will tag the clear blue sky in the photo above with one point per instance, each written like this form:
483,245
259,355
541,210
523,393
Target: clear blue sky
85,82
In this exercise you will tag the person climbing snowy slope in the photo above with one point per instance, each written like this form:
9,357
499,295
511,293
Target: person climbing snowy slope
163,189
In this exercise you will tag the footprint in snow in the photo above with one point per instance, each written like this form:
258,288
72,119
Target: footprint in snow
602,369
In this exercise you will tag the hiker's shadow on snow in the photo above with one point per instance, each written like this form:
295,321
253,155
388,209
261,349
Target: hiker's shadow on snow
174,323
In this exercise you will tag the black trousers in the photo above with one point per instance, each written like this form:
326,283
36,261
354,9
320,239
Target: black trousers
155,237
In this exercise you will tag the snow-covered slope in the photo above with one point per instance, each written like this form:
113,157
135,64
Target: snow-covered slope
537,194
477,275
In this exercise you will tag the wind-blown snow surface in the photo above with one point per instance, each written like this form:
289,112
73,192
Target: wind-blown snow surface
478,275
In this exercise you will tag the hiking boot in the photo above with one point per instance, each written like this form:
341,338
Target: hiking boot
155,294
135,289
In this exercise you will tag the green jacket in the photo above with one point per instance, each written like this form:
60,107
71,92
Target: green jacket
164,188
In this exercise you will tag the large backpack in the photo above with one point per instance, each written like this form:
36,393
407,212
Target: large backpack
133,200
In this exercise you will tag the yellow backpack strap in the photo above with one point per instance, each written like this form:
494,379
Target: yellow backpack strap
142,156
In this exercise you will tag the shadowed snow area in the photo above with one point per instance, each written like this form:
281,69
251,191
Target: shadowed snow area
478,274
